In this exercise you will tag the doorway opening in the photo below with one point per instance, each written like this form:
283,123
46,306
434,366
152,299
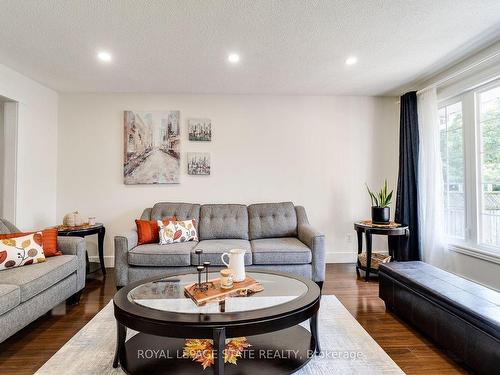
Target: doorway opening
8,158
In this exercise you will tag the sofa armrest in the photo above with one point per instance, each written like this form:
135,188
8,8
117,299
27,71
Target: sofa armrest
75,246
71,245
315,240
123,244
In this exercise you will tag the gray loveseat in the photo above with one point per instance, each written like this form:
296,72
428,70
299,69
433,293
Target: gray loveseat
28,292
276,236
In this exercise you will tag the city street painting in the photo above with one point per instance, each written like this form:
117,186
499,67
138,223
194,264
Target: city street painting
198,163
152,147
200,130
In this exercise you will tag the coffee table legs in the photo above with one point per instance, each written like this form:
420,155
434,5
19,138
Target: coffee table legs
121,334
219,337
313,324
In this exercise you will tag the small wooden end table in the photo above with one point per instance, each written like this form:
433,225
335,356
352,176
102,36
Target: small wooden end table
89,230
392,231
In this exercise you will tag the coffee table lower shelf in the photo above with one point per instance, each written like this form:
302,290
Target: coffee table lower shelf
276,353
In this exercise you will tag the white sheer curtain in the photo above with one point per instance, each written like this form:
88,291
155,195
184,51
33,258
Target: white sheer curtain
430,181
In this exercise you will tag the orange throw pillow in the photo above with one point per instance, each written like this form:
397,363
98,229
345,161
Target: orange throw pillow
49,240
148,231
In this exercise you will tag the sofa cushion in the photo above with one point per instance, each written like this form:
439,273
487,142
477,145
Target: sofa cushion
271,220
10,297
182,211
213,249
173,255
223,221
36,278
286,250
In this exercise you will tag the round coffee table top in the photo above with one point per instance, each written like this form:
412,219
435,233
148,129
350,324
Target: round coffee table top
160,302
167,294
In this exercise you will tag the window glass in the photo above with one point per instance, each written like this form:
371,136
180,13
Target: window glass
452,156
489,129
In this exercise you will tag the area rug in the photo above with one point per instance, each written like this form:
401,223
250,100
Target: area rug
346,347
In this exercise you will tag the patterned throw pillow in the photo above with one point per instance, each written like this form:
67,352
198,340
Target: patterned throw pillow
21,251
49,241
178,231
148,230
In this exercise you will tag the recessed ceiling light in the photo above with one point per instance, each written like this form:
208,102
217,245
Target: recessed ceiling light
233,58
351,60
104,56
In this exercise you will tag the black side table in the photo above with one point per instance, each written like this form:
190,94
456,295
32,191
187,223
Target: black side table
98,229
392,233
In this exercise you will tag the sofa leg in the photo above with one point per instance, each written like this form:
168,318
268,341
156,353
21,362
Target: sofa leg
75,298
320,284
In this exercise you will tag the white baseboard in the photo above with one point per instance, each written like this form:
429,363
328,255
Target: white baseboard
109,260
341,257
331,257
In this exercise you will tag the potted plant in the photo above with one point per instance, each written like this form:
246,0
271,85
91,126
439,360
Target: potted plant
381,212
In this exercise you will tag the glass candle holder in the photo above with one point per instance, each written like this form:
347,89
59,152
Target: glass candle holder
226,279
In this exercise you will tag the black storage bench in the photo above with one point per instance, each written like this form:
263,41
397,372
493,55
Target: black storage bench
459,315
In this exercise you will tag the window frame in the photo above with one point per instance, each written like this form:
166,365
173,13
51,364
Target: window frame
472,244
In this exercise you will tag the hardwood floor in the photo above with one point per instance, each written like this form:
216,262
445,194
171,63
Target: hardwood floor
410,350
31,347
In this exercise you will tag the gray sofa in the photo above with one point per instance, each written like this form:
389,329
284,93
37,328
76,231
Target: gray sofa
276,236
28,292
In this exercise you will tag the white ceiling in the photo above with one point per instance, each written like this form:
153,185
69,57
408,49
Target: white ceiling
286,47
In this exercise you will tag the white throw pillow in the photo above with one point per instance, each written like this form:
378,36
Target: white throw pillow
177,231
21,251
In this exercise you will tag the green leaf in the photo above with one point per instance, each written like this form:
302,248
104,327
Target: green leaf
388,200
369,192
382,198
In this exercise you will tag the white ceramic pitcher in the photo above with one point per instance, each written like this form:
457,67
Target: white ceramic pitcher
236,263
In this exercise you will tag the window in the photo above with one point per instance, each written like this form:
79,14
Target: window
470,154
452,156
489,135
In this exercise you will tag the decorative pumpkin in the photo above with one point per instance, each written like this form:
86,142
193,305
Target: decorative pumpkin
72,219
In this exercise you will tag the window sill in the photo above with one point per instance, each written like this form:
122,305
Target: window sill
475,253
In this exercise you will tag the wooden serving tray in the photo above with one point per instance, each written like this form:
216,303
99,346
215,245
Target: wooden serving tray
215,293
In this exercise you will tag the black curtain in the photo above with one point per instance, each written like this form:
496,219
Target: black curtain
406,199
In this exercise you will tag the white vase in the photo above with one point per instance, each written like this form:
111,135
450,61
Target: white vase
72,219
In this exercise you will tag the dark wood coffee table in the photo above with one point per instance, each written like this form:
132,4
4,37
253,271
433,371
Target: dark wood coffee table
164,317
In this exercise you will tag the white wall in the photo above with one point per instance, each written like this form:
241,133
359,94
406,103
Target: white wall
36,149
314,151
473,268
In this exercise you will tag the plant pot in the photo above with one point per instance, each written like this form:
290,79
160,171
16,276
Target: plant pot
381,215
